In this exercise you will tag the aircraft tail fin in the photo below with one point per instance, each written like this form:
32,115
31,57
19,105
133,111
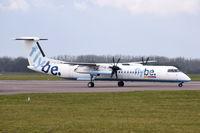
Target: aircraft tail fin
36,56
33,50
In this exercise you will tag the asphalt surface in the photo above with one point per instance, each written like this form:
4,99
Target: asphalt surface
40,86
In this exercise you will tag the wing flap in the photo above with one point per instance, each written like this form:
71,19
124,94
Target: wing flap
95,73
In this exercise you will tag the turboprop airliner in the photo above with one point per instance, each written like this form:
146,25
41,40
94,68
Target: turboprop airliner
115,71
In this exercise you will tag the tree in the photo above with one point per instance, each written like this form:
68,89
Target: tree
20,64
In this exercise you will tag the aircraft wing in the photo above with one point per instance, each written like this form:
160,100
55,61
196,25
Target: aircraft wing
81,64
97,64
140,62
92,69
96,73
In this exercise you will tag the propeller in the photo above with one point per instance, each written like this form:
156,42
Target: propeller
115,68
146,61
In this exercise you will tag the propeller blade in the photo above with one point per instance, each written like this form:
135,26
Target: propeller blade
118,61
116,75
147,61
114,60
142,60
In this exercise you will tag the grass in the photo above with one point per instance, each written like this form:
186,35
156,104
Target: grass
122,112
39,76
28,76
194,77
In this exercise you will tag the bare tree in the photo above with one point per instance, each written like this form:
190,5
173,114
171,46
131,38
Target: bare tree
19,64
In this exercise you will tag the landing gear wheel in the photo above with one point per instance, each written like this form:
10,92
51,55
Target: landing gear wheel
180,84
120,84
91,84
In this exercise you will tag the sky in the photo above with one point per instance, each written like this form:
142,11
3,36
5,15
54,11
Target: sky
103,27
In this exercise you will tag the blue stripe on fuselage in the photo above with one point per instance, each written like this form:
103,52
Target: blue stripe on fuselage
137,80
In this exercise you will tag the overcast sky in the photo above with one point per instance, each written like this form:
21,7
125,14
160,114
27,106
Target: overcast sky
128,27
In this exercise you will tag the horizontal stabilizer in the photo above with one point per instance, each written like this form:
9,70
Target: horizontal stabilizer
29,38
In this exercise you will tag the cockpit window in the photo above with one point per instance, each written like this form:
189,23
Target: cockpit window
173,70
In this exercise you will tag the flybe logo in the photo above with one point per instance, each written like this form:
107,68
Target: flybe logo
38,60
35,56
53,69
149,73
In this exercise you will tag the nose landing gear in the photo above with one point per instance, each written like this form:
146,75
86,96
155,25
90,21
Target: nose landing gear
180,84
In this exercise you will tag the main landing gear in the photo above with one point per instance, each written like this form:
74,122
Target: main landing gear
91,83
180,84
120,84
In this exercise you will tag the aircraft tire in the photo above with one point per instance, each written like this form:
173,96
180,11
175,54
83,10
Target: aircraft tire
91,84
180,85
120,84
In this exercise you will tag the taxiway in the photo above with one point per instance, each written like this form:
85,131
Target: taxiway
40,86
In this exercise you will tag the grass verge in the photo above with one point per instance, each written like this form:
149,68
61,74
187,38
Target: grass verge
194,77
124,112
28,76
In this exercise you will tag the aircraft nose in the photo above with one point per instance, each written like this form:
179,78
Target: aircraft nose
186,78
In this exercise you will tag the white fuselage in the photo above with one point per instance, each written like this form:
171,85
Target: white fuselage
133,72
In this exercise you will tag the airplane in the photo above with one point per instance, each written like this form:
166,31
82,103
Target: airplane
115,71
